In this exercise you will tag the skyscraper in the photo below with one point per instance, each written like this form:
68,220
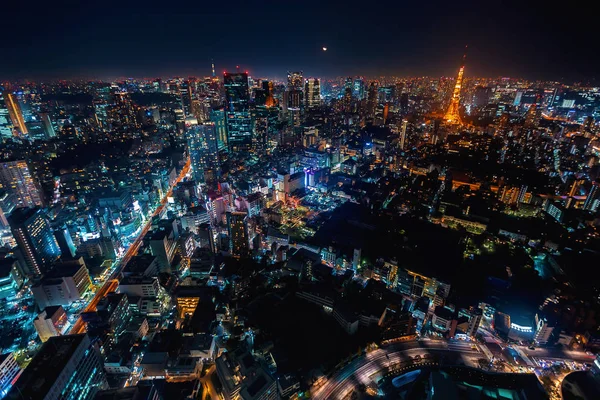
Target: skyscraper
35,239
15,113
295,81
66,368
16,179
237,225
6,125
591,201
358,90
313,93
266,121
217,116
403,133
204,152
295,88
372,99
237,111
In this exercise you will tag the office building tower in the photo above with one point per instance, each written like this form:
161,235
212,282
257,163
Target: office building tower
265,121
543,329
372,99
294,92
51,322
358,89
11,278
204,152
16,178
47,124
66,283
237,111
295,98
15,113
35,239
9,373
65,242
313,93
6,125
403,134
474,322
65,368
217,117
403,103
592,200
237,226
263,96
481,97
295,81
163,243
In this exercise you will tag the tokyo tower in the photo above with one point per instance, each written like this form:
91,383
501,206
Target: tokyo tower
452,116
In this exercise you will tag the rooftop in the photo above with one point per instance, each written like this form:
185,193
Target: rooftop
45,368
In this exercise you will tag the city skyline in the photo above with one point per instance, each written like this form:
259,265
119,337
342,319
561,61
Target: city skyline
292,201
137,39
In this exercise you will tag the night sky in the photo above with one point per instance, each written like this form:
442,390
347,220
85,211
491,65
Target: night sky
109,39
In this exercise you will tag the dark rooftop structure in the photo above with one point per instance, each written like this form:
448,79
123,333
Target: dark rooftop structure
57,360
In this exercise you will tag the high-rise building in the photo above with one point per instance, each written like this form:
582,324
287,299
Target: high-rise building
47,123
295,87
51,322
403,134
11,278
474,322
16,178
66,368
358,90
15,113
592,200
9,372
313,93
265,120
204,152
372,99
295,81
237,111
217,117
295,98
237,226
66,283
6,125
35,239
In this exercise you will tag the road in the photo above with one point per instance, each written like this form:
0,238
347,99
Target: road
363,368
112,283
557,354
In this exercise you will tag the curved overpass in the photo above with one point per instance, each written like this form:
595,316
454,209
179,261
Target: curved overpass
360,370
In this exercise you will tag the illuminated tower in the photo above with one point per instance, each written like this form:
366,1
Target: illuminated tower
452,116
15,113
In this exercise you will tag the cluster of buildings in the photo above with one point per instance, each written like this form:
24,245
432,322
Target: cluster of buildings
139,220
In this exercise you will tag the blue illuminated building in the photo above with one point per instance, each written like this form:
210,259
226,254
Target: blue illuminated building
66,367
35,239
204,152
237,111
